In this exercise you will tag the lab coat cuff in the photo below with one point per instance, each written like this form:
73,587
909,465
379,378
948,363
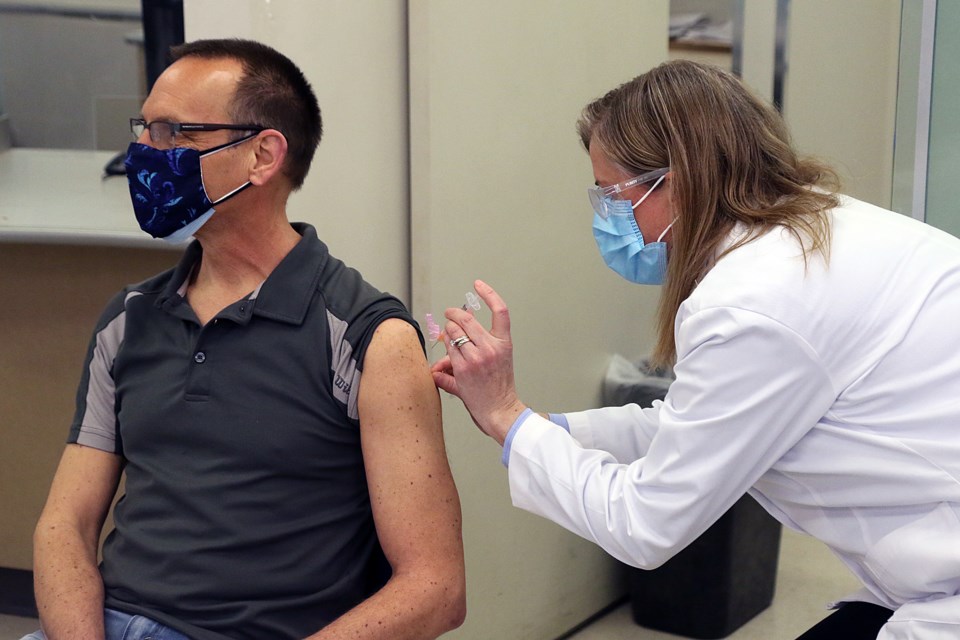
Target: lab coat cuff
578,424
508,441
525,441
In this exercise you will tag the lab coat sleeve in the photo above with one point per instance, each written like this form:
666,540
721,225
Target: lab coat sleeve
747,389
623,432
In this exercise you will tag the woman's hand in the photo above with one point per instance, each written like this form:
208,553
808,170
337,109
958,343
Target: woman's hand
480,370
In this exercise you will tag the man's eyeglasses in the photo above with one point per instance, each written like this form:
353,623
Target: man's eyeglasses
598,194
164,133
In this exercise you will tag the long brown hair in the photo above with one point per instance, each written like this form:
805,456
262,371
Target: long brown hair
731,162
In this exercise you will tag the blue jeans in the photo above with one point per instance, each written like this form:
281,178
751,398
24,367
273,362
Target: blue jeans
123,626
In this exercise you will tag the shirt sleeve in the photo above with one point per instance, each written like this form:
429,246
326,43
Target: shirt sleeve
349,340
95,421
747,389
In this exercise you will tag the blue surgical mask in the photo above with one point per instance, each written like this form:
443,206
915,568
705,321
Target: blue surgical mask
621,242
166,188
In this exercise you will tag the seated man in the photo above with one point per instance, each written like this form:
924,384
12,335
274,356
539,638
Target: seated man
273,414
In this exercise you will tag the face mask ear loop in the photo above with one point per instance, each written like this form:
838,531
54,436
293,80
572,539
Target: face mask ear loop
665,230
210,152
649,191
231,194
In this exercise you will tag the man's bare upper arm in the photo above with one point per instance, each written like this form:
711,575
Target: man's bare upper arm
82,490
415,502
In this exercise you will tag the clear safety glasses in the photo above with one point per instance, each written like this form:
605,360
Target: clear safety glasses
599,196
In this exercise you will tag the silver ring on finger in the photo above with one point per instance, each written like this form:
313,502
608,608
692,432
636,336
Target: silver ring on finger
459,342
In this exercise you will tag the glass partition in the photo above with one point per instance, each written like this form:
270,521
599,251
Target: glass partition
913,108
927,151
71,72
943,159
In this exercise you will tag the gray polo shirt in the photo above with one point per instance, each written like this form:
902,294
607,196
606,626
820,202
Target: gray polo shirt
246,512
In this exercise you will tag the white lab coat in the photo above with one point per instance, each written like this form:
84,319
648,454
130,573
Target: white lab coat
831,394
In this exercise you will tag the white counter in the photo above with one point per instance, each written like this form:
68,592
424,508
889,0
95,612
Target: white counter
58,196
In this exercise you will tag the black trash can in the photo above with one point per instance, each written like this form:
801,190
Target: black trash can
718,583
727,575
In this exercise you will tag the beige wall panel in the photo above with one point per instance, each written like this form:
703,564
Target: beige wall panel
499,192
354,55
840,95
759,35
53,296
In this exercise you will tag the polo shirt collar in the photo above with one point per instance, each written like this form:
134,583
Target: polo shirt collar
287,292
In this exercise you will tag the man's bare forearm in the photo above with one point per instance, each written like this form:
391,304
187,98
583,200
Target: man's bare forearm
68,586
411,607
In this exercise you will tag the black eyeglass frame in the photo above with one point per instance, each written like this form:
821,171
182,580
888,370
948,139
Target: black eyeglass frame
178,127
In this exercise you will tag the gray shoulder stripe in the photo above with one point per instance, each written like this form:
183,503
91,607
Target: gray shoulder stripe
99,423
346,374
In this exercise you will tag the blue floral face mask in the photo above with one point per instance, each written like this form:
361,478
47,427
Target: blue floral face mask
621,242
166,188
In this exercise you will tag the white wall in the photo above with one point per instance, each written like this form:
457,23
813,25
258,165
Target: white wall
499,192
354,55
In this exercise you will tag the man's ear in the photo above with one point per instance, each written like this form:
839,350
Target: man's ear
270,150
